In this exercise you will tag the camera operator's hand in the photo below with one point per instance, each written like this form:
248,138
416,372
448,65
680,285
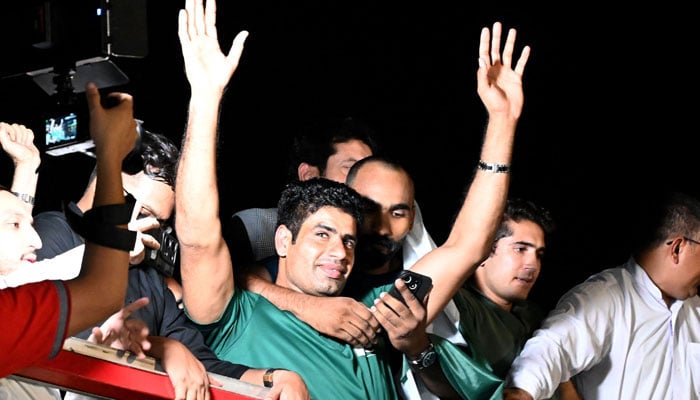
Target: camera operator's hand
105,122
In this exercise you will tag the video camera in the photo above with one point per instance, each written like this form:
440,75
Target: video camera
166,260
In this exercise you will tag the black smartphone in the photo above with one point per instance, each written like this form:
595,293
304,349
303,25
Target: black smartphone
418,284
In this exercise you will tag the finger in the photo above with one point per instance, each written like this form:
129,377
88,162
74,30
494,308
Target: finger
198,17
190,11
93,97
234,54
144,224
96,336
182,32
508,49
215,382
524,55
210,19
484,57
496,43
134,305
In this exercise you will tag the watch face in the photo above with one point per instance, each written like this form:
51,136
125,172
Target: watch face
429,359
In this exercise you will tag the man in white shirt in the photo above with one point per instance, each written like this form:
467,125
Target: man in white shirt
631,332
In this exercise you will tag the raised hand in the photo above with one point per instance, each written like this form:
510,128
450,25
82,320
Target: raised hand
105,122
500,87
208,69
124,333
18,142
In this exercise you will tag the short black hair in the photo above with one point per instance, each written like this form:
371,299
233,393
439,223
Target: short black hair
300,199
519,209
317,141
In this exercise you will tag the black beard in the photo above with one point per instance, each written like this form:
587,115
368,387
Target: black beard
374,251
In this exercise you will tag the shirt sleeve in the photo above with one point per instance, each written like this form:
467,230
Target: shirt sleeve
35,324
573,337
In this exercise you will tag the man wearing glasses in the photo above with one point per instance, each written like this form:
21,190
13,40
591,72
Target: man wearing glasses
631,332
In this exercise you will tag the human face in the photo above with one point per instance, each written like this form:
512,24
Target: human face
157,198
321,259
346,155
18,239
388,225
512,269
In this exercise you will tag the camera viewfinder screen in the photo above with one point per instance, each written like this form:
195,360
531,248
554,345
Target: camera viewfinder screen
61,130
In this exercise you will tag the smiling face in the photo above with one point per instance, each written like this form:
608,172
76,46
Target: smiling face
512,269
18,239
321,258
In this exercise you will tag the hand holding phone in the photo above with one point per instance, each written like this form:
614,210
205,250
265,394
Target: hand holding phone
418,284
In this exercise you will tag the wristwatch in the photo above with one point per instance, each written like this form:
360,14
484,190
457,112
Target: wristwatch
425,359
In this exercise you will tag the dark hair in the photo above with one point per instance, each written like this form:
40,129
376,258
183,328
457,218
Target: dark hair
317,142
517,210
300,199
382,160
665,215
156,156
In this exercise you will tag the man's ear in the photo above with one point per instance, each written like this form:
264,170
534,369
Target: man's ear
283,238
307,171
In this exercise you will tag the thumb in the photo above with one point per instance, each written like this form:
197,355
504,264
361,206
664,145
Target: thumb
93,97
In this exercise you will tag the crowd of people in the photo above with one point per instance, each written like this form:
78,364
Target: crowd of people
295,298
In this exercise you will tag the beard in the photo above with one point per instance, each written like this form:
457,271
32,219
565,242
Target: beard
374,251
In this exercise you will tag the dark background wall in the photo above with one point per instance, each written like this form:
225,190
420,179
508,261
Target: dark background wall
610,112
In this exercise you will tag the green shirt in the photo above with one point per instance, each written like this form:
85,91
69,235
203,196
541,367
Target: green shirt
494,334
252,331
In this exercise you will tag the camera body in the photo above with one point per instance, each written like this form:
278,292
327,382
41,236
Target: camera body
166,259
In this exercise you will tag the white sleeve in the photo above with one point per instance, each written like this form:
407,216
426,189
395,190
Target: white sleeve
574,336
64,266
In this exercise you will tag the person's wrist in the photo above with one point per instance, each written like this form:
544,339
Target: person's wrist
269,376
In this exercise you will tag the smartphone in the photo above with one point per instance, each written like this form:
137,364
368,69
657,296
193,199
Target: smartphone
418,284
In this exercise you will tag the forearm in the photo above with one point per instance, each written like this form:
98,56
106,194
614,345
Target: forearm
24,181
285,299
206,269
436,382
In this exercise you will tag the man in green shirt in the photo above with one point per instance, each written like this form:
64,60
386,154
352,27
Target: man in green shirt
316,241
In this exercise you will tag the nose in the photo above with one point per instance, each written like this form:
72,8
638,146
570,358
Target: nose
33,238
337,249
383,224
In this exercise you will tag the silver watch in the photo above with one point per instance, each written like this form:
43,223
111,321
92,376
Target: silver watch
425,359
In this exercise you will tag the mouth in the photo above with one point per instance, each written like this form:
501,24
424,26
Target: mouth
333,271
524,280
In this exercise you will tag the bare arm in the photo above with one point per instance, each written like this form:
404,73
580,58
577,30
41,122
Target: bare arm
207,274
471,237
342,318
104,271
18,142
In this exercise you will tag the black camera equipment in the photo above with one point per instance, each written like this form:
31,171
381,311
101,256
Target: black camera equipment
166,260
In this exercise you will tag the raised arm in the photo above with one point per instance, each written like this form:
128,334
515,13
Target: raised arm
207,274
104,271
469,242
18,142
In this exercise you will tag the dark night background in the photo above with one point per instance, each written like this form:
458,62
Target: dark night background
610,102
